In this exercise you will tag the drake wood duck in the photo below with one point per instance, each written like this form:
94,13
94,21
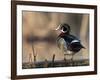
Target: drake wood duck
67,42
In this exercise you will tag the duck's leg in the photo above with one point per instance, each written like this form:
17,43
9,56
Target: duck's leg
68,58
72,61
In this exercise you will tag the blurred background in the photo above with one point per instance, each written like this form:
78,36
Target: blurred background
39,35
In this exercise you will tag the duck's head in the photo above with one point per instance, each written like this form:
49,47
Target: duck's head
64,28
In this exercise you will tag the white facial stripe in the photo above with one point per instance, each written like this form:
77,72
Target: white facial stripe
63,31
75,41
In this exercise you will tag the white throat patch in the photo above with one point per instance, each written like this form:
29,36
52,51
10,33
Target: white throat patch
63,31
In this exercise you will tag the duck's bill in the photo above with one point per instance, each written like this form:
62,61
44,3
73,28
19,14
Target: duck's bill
58,28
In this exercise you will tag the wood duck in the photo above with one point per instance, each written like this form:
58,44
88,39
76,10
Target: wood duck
68,43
